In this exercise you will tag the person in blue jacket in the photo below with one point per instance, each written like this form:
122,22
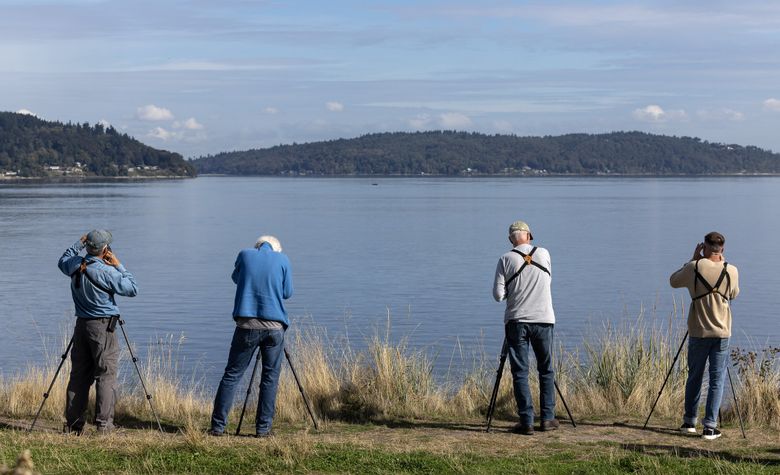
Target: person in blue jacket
263,281
95,279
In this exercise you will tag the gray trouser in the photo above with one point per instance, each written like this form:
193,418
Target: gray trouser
94,358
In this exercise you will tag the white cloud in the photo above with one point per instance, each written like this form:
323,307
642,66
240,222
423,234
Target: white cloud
454,120
720,114
106,124
655,113
192,124
421,121
160,133
772,104
334,106
153,113
27,112
271,110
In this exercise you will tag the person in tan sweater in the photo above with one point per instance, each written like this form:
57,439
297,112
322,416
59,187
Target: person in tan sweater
712,283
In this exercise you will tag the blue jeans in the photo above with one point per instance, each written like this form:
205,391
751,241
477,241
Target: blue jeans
716,350
271,343
540,337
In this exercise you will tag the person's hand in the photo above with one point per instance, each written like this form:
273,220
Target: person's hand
698,253
110,259
83,239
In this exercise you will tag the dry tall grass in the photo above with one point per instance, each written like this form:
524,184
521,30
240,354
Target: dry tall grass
616,374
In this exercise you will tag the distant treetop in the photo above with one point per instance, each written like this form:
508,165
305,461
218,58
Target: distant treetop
460,153
32,147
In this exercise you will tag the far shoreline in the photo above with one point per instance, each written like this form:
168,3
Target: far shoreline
124,179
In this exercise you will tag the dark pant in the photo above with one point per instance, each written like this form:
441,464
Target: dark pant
540,336
94,358
700,351
271,343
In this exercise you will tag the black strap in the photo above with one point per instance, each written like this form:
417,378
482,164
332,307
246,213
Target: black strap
527,260
724,274
77,281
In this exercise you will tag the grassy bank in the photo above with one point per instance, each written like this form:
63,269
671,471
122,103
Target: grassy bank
401,446
618,375
381,411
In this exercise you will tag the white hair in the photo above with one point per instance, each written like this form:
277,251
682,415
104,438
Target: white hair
275,244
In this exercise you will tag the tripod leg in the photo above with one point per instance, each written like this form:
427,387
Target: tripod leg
300,388
143,385
736,403
46,394
671,368
499,373
248,392
560,394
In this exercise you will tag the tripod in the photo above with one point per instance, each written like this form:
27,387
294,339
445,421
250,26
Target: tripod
494,395
111,326
297,381
671,368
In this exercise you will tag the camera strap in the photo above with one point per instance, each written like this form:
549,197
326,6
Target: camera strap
82,269
724,274
528,260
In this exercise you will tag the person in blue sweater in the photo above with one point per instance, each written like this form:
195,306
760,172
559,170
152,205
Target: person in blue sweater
263,281
95,279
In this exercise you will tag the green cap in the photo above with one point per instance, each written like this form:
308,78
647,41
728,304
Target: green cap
520,226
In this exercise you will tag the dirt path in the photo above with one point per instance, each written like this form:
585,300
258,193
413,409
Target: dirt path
761,445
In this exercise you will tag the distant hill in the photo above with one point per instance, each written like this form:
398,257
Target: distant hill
460,153
32,147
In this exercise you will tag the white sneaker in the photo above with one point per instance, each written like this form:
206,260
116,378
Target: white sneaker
688,429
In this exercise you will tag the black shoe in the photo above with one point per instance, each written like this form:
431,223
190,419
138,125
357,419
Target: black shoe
710,434
67,429
688,429
552,424
523,429
263,435
215,433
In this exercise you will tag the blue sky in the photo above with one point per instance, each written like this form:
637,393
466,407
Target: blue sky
199,77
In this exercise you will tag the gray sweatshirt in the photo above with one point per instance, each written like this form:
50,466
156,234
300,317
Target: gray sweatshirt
528,298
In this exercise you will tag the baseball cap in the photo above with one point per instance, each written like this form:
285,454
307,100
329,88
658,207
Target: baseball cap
520,226
98,238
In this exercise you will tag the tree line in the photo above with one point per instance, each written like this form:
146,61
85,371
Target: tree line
462,153
32,147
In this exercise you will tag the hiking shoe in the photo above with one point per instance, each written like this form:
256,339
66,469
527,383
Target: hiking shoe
107,429
710,434
263,435
689,429
66,429
215,433
523,429
552,424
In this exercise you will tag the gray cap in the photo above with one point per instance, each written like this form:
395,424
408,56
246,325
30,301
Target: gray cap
97,239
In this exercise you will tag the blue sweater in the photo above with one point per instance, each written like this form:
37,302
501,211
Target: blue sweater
91,302
264,280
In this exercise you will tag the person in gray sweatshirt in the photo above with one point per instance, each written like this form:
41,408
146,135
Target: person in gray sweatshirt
522,278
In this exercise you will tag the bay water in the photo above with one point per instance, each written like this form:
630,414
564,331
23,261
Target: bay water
418,253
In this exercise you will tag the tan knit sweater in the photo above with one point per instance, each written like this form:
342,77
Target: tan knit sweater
709,316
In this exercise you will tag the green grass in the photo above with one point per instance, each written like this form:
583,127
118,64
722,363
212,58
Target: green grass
148,452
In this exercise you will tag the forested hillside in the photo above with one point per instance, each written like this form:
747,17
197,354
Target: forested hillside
460,153
32,147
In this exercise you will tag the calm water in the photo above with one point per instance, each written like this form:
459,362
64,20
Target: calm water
421,250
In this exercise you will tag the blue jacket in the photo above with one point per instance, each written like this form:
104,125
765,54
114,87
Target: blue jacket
264,280
90,301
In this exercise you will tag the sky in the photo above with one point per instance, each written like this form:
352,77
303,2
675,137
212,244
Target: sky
203,76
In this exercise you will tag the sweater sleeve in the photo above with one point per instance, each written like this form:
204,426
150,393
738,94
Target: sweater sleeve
499,290
682,277
734,283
